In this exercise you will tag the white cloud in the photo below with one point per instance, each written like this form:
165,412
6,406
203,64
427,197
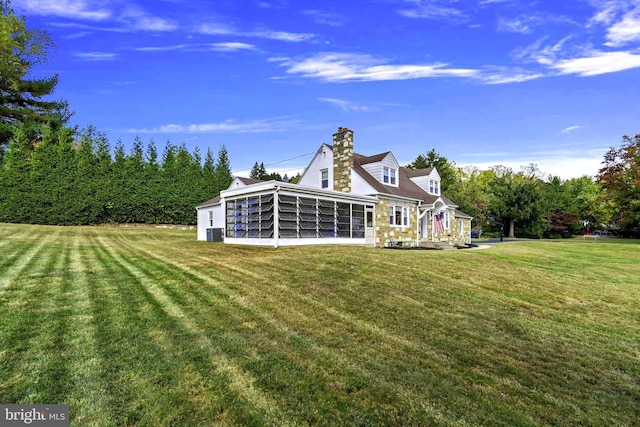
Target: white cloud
199,47
345,105
224,29
598,63
231,46
580,60
509,76
621,19
545,55
137,19
78,35
624,31
570,129
227,126
96,56
215,28
133,18
76,9
521,24
343,67
151,23
280,35
325,18
433,9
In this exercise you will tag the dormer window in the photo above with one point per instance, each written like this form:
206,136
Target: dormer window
434,186
389,175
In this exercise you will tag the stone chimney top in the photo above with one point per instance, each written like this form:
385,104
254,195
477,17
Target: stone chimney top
342,159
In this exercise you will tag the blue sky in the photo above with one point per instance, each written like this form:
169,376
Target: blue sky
484,82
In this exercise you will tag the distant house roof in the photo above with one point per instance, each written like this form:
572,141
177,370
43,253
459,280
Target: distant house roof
211,202
460,214
249,181
216,200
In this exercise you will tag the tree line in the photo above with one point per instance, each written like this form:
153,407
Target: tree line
52,174
69,178
526,203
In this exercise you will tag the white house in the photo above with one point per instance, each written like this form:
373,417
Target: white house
342,198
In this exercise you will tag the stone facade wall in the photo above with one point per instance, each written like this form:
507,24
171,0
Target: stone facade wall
389,235
455,235
462,235
342,159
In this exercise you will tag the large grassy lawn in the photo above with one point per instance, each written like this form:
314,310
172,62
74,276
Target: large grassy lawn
148,327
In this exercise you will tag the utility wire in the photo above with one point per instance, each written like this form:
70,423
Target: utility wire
293,158
281,161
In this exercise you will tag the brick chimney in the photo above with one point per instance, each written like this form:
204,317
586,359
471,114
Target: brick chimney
342,159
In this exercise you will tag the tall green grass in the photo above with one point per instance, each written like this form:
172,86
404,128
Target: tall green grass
149,327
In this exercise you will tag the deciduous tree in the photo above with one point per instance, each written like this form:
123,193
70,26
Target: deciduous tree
620,178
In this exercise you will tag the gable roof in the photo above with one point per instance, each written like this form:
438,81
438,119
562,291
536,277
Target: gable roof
212,202
412,173
406,187
460,214
248,181
373,159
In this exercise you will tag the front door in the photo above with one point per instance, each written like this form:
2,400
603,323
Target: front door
424,223
369,230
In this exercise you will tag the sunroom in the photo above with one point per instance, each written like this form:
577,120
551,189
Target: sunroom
281,214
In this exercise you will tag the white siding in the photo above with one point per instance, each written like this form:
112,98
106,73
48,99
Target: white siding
360,186
322,160
374,169
377,169
424,181
236,183
203,220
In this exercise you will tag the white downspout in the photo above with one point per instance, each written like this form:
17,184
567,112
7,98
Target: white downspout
418,224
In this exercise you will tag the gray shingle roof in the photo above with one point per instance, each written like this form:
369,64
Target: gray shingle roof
211,202
406,187
249,181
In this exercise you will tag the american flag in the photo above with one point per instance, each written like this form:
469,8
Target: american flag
438,223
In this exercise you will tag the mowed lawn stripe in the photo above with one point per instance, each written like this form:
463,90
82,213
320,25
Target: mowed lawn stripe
235,378
332,327
309,361
30,322
23,253
335,333
141,350
523,334
528,298
86,391
13,237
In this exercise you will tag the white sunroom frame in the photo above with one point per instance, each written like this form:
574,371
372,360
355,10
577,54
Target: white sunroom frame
277,189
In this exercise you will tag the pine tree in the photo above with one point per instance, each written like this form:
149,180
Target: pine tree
223,170
16,197
209,187
87,183
21,98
